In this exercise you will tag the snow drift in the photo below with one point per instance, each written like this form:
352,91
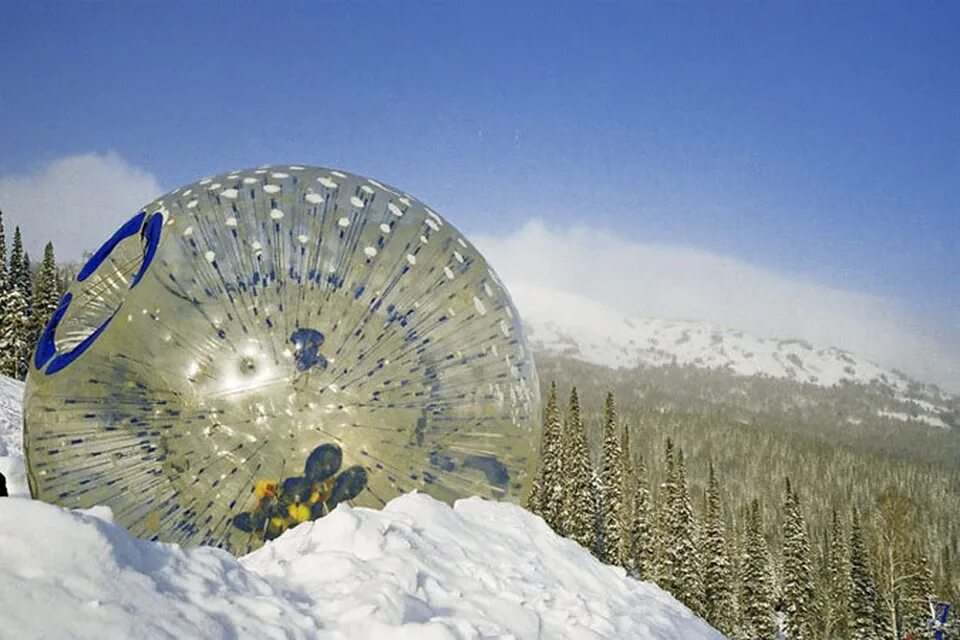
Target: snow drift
418,569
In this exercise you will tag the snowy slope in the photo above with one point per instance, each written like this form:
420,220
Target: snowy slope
419,569
576,326
11,401
11,440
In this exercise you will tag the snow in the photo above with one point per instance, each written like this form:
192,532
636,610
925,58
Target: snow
11,401
11,436
418,569
933,421
568,323
576,326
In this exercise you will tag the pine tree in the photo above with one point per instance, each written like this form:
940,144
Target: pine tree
3,259
26,285
627,481
19,273
554,498
682,542
666,569
837,596
735,552
918,588
535,498
27,276
798,588
717,579
863,594
756,597
46,298
641,532
14,349
579,512
947,583
596,496
549,492
611,482
14,311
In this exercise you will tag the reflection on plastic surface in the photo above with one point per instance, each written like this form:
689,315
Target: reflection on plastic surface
249,351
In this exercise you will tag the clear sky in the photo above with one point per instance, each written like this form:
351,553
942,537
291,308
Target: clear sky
817,141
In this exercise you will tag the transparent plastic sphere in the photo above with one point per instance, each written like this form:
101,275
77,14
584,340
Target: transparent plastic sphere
253,349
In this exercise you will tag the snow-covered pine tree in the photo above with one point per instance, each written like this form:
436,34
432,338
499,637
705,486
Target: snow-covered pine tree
578,513
641,530
683,543
46,295
798,588
14,349
863,593
535,499
552,461
4,279
837,597
717,579
947,562
26,288
27,277
915,607
756,596
627,482
19,273
14,314
3,258
596,495
735,547
611,482
666,570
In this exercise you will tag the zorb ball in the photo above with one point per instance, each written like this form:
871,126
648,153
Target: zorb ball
249,351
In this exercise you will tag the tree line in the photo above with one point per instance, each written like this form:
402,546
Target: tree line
28,299
866,576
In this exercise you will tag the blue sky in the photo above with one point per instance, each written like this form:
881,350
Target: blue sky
817,141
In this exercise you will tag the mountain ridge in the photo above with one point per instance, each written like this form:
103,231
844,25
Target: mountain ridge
598,335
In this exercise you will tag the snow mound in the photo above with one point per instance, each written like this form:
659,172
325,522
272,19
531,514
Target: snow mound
418,569
77,575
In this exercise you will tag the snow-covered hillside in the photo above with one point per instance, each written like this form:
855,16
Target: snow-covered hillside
576,326
11,436
596,334
417,570
11,401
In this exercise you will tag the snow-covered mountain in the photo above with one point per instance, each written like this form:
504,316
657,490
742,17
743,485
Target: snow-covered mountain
567,324
417,570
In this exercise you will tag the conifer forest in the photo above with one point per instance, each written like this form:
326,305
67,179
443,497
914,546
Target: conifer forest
763,532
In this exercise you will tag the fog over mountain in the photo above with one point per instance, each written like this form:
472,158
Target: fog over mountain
581,274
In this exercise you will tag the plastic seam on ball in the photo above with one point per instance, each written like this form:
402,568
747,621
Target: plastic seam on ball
46,347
